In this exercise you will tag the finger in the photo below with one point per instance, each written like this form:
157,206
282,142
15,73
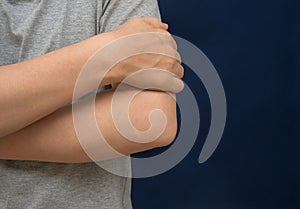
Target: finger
166,26
166,37
155,79
180,70
171,64
164,48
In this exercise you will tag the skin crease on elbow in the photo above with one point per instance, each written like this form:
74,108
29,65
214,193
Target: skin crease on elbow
42,127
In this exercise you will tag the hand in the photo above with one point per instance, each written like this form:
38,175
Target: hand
157,54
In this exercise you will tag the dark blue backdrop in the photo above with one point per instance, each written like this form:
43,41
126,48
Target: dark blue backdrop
255,46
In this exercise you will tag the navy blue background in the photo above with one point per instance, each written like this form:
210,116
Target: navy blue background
255,46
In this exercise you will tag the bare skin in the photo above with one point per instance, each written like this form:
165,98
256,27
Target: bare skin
53,138
34,125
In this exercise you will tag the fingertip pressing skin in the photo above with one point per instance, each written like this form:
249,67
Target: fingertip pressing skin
166,26
56,139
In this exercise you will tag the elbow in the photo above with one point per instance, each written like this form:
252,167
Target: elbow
161,132
148,101
169,134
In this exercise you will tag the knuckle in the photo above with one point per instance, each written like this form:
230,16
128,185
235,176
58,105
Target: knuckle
168,40
172,42
175,55
179,57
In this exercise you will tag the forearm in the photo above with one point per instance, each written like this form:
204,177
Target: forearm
53,139
32,89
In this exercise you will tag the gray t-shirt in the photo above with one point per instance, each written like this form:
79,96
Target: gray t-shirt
30,28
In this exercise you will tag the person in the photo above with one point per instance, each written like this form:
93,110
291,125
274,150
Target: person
43,47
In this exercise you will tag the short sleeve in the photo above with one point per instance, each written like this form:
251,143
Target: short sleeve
117,12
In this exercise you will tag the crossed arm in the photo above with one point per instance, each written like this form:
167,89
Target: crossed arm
53,138
35,123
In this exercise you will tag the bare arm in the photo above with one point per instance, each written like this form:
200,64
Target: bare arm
33,89
53,138
36,88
